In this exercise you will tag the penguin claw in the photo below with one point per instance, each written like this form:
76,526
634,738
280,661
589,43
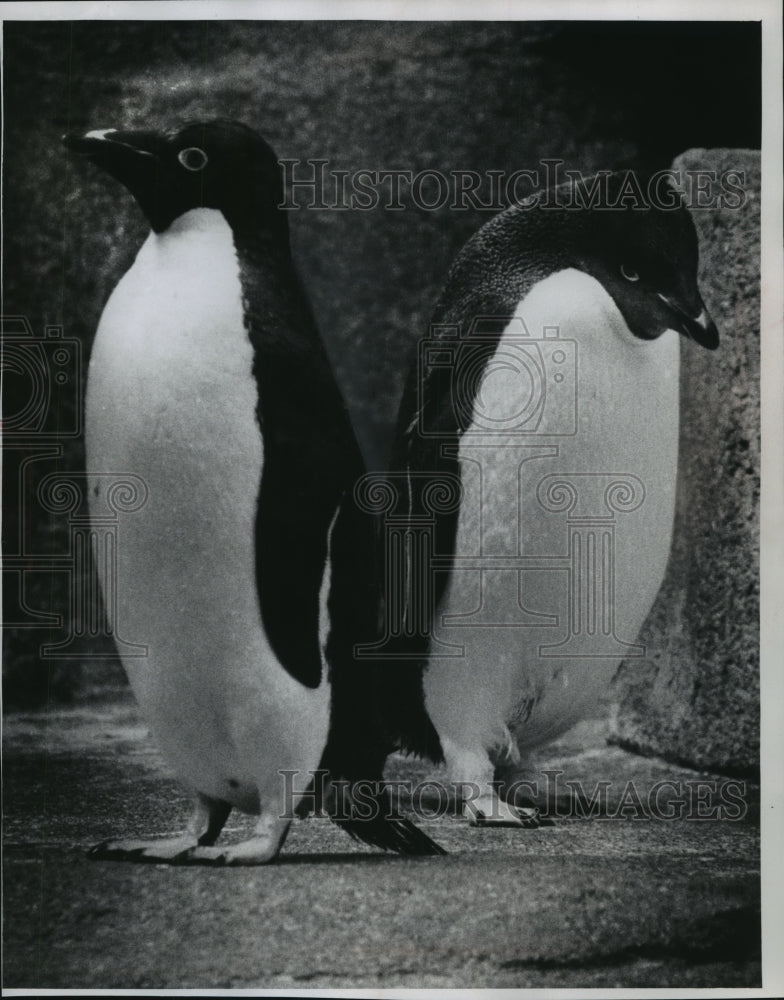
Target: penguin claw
503,814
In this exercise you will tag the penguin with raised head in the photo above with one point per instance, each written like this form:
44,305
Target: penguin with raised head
248,572
546,400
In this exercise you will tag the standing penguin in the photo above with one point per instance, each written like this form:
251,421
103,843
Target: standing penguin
544,408
248,572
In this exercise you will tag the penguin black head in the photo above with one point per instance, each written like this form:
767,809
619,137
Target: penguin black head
644,253
217,164
646,258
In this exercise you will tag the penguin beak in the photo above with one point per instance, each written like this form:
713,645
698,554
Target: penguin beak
135,159
105,145
700,328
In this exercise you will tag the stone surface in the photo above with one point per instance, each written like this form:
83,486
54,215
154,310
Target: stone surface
695,698
624,898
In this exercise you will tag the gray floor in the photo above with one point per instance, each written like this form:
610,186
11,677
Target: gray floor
585,902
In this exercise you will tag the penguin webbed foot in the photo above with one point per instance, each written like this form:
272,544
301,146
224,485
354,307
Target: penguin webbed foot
204,826
259,849
165,851
490,811
255,851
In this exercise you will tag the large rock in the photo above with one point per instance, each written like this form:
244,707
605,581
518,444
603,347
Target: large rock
695,698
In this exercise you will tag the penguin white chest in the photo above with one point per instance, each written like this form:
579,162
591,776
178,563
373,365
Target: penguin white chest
568,471
172,399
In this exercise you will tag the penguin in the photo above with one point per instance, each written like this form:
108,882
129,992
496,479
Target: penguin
248,573
544,407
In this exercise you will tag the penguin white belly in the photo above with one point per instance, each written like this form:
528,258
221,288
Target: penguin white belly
172,399
568,472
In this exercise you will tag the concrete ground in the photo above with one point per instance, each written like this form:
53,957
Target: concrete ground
627,898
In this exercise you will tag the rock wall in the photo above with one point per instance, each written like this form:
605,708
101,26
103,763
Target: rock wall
695,698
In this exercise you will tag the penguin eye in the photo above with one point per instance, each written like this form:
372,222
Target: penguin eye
629,273
193,158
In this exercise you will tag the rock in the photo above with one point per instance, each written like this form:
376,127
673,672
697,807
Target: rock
695,697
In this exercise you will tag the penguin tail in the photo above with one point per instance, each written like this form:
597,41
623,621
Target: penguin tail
391,834
352,793
365,811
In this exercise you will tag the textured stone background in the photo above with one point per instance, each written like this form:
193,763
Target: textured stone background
696,697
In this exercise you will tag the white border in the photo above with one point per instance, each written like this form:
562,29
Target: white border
397,10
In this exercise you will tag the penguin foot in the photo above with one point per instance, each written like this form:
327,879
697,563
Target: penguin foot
492,811
183,851
263,847
256,851
163,851
204,826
